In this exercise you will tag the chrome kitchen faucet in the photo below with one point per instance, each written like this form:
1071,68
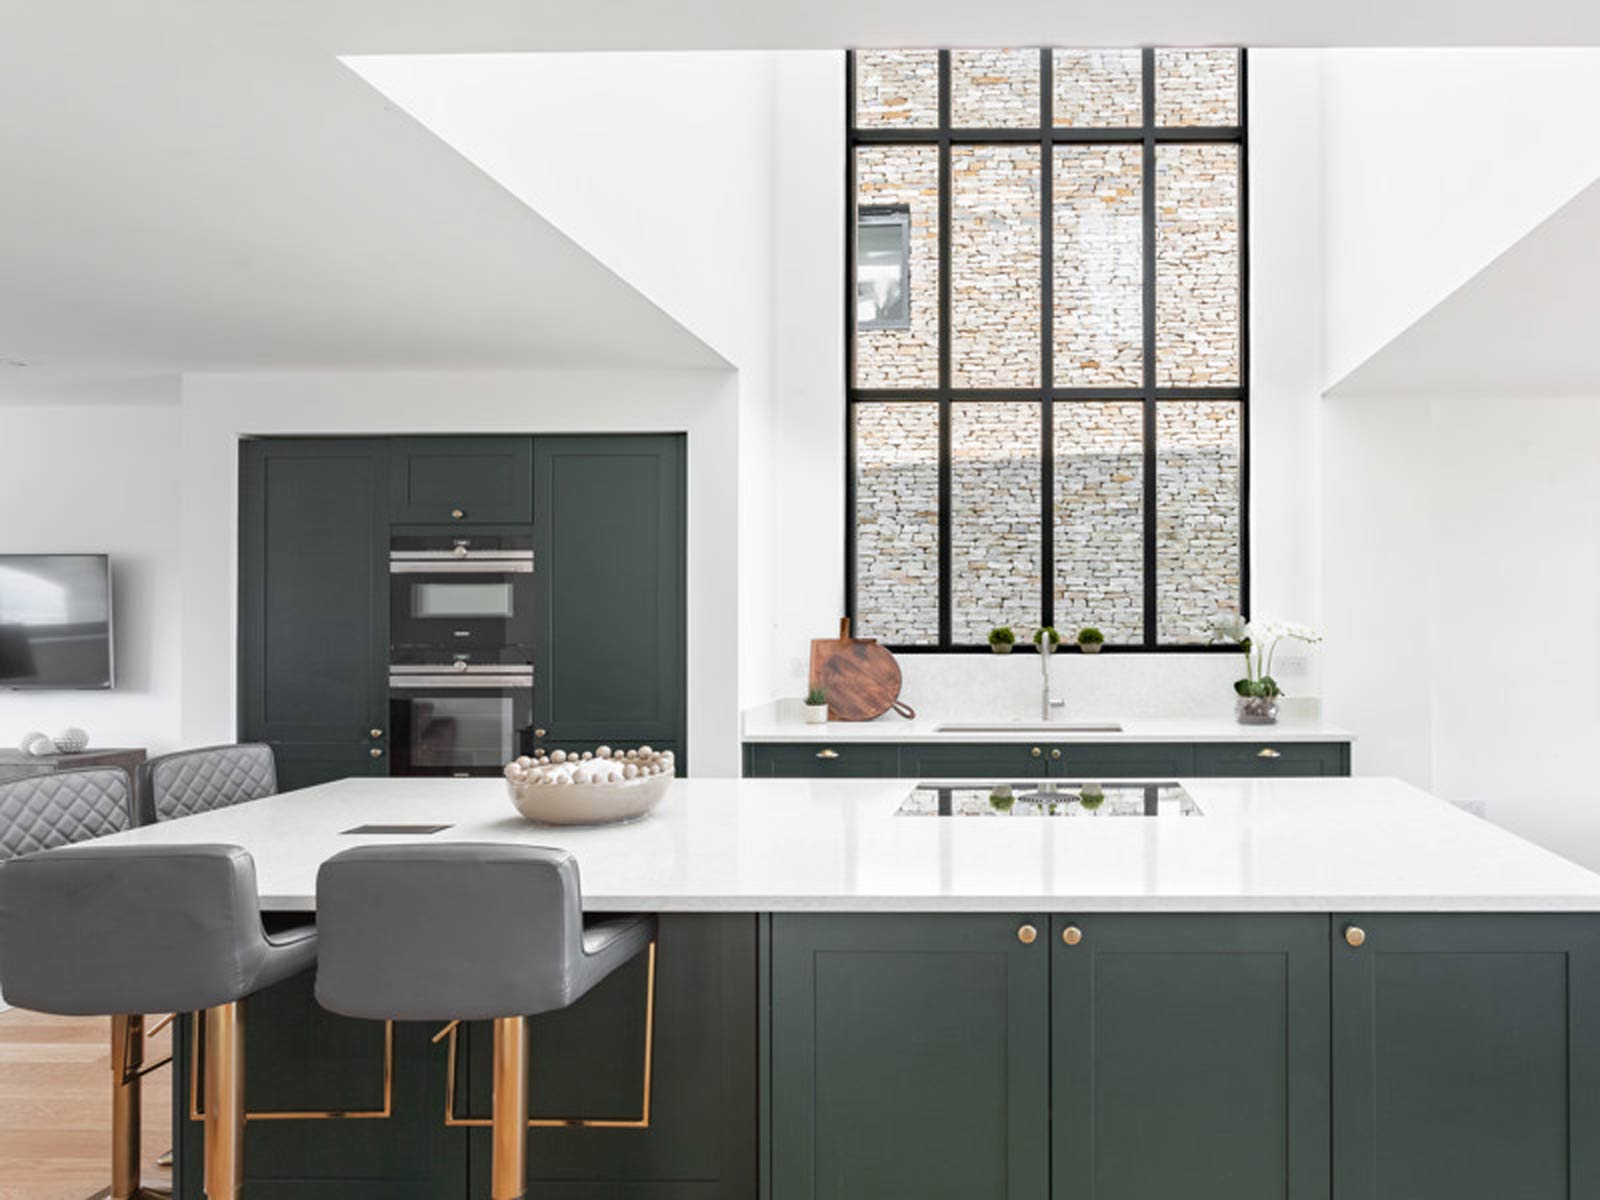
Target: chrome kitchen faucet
1046,704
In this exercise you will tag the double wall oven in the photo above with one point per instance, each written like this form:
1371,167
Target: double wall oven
461,632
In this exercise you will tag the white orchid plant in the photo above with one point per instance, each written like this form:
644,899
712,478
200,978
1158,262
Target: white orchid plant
1259,641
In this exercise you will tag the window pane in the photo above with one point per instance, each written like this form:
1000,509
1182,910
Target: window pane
1197,87
995,268
897,89
906,177
995,498
1197,516
883,247
994,89
1099,503
897,522
1098,88
1099,266
1197,265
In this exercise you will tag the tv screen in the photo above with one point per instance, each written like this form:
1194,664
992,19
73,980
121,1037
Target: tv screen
55,621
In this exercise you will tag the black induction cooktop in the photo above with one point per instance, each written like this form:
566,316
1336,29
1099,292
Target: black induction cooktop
1047,798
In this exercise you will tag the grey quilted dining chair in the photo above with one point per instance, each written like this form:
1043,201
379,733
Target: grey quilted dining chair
198,781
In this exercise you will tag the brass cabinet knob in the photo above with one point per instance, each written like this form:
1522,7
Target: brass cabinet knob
538,733
1354,935
1027,935
1268,752
1055,754
376,752
1036,752
457,513
377,733
1071,935
828,754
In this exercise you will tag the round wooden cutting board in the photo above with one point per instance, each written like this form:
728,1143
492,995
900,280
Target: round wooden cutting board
861,678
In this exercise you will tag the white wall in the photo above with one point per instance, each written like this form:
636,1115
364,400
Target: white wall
1438,160
219,409
100,476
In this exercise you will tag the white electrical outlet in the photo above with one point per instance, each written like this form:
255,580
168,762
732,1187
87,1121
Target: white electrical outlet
797,668
1289,665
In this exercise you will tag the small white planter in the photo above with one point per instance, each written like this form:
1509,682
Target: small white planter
1001,647
1090,647
816,714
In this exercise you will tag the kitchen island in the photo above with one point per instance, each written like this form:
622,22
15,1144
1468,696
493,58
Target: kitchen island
1305,988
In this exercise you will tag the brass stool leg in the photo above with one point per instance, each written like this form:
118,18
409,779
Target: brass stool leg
509,1172
127,1056
224,1133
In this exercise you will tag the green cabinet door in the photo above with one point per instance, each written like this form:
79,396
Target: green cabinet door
609,571
1190,1057
994,761
909,1058
1272,758
1466,1057
820,760
1114,760
443,480
313,605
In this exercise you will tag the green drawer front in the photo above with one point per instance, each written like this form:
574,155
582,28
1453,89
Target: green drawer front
821,760
1272,758
1146,761
989,760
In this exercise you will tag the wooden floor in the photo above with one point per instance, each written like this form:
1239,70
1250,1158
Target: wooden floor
55,1107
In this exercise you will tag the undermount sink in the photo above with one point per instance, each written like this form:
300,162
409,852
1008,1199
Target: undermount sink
1028,727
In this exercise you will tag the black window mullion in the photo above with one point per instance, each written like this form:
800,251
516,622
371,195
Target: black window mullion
1047,280
850,338
1148,191
946,585
1244,333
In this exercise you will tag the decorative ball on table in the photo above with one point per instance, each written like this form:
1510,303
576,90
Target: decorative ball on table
37,744
598,787
71,740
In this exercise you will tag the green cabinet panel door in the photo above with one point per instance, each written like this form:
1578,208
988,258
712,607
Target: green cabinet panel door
1190,1057
997,761
1153,760
313,604
910,1058
609,571
821,760
442,480
1272,758
1466,1057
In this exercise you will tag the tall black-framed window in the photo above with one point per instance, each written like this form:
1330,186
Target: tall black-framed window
1049,386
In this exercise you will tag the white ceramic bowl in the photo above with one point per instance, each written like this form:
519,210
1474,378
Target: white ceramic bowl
589,803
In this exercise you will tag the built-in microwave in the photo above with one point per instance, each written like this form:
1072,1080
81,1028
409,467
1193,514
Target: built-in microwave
460,593
460,718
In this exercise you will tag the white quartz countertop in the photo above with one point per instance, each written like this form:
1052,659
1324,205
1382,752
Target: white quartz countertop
775,724
766,845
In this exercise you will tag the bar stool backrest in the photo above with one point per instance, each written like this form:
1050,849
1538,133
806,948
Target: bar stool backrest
197,781
102,930
42,812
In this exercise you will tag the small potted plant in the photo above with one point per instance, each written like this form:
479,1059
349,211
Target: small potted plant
1047,632
1258,692
1002,638
816,707
1090,639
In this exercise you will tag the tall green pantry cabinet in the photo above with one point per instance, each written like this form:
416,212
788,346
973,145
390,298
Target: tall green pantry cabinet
608,515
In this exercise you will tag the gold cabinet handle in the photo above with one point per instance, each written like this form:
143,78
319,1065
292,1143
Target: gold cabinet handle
1055,754
1354,935
1071,935
829,754
538,733
377,733
1036,752
375,752
1268,752
1027,935
457,513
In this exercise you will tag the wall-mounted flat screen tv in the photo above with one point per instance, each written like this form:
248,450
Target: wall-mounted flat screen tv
55,621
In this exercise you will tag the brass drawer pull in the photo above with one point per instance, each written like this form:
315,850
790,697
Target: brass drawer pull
538,733
1055,754
457,513
375,752
1268,752
1071,935
828,754
1036,752
377,733
1355,936
1027,935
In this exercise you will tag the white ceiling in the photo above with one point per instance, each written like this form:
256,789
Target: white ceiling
1525,325
199,184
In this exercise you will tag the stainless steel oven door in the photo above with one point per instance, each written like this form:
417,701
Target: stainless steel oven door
461,604
465,722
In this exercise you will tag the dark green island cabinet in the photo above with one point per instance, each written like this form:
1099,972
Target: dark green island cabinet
1214,1057
1041,760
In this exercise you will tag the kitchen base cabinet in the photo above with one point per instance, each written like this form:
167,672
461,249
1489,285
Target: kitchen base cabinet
587,1062
1189,1057
998,761
848,760
909,1058
1466,1057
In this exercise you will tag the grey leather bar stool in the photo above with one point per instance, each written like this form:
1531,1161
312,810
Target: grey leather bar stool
196,781
467,932
106,930
46,811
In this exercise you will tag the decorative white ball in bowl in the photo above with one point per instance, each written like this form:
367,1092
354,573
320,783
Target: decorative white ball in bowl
592,788
71,740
